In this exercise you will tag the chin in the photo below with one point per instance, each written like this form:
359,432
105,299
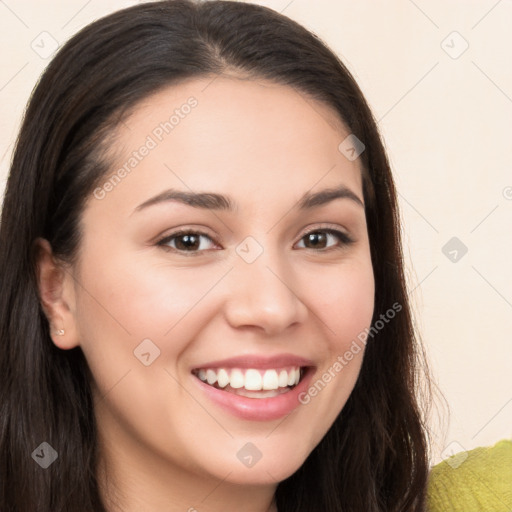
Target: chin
253,466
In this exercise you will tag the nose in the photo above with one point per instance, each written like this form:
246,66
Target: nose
262,295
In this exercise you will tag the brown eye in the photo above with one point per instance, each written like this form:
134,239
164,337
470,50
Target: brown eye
318,239
185,241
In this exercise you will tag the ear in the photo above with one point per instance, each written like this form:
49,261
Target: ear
57,296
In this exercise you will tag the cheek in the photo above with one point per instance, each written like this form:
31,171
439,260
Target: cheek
344,301
344,298
141,299
125,305
126,300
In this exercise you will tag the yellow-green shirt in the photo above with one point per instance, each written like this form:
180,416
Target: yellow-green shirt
479,480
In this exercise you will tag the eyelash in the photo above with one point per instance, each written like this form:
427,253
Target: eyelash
344,239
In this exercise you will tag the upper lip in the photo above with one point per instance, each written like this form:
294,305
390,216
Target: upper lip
257,362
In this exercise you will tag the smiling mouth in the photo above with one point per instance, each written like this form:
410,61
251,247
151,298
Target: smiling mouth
252,382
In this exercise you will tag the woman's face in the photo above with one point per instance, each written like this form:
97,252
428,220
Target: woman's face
257,294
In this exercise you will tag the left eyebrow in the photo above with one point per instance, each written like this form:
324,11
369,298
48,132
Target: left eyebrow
309,200
214,201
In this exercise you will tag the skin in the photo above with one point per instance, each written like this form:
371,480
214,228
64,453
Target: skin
163,444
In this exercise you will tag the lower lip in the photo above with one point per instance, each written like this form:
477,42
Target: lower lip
258,409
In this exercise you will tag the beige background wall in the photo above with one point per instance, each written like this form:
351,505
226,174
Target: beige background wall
438,77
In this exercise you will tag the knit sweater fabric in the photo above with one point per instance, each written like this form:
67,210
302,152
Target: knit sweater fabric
479,480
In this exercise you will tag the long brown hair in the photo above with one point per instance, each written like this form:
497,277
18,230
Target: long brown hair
374,458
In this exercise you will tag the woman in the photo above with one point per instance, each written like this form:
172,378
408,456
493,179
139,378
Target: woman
203,302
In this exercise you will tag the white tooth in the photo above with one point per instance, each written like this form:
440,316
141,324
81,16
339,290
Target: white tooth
223,378
201,374
291,377
211,377
270,380
297,376
237,379
283,379
253,380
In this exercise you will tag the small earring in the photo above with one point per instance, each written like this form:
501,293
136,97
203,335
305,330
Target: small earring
60,332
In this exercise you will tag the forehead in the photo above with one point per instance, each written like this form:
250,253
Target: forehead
252,139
